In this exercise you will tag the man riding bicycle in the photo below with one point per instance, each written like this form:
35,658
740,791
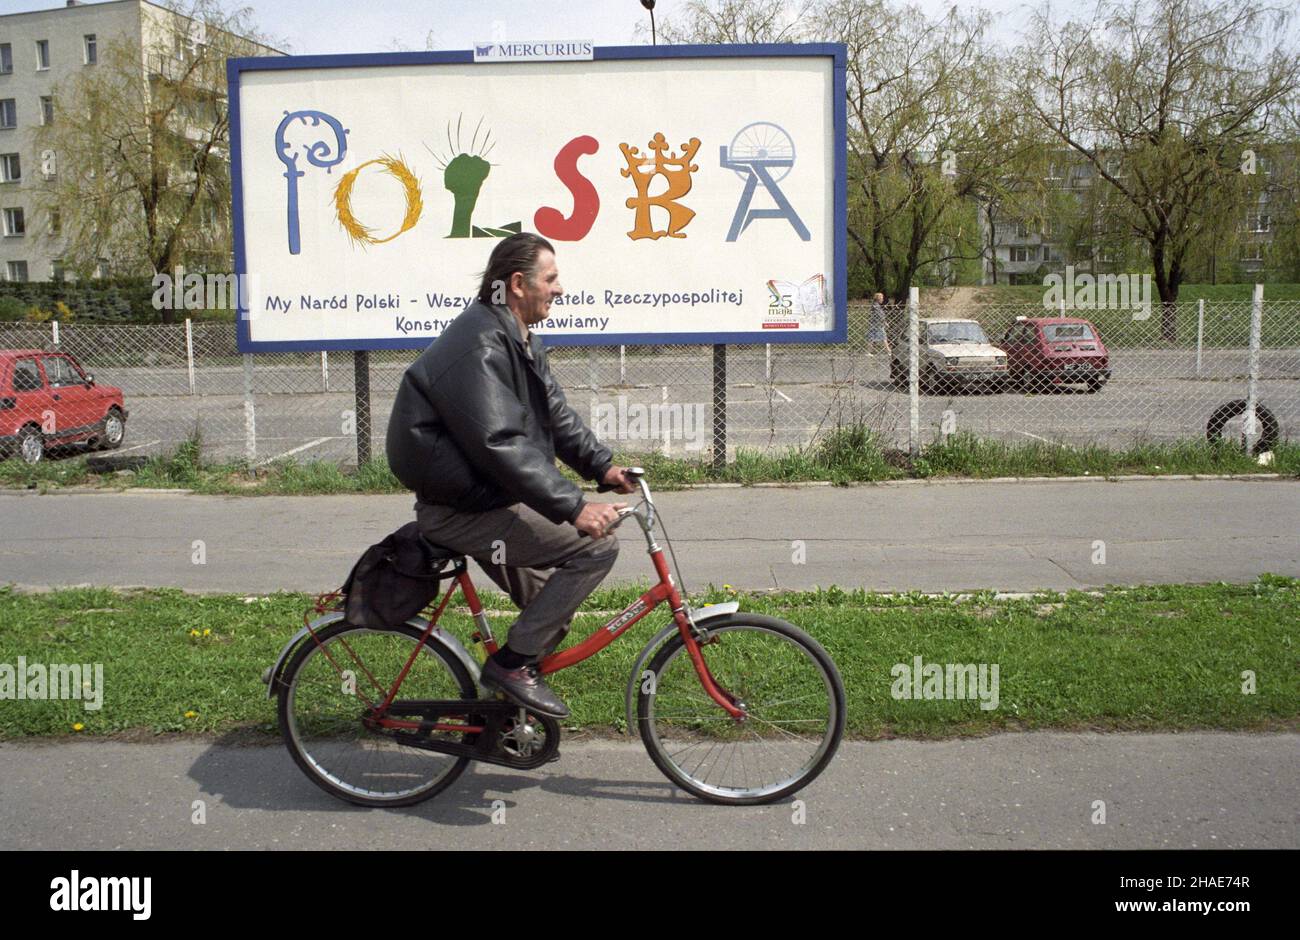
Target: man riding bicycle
475,429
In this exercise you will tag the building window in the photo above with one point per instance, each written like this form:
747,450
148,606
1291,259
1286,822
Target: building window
10,168
17,270
101,269
1022,229
47,109
8,114
1254,251
1024,253
1257,222
6,58
57,272
56,222
1053,171
42,54
49,168
92,49
14,223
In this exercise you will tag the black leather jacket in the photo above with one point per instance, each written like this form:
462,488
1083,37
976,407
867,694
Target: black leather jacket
477,425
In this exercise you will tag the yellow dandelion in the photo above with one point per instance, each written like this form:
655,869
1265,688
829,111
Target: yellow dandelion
207,632
194,632
191,714
78,726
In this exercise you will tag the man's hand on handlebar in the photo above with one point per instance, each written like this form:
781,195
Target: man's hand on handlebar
595,518
617,480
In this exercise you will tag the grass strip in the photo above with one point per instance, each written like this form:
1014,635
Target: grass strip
1148,658
845,455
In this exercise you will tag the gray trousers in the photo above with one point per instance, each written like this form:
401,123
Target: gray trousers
547,569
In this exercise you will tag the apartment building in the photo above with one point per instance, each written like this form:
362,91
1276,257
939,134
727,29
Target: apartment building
1028,245
39,51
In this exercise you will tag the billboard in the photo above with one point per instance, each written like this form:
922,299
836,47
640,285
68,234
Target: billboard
694,194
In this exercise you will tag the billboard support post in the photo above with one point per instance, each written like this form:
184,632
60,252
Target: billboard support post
361,387
719,406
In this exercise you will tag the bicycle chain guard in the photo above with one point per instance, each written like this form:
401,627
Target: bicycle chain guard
495,716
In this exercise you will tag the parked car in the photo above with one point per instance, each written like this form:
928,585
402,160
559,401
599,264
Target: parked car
1044,352
47,399
953,353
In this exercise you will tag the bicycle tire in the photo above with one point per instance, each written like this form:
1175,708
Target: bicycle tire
436,675
657,729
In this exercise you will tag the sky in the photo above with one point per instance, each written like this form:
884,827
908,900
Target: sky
339,26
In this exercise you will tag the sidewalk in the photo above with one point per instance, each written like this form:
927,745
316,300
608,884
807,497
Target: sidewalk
1007,791
1018,536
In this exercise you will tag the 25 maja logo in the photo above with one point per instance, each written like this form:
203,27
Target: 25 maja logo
102,894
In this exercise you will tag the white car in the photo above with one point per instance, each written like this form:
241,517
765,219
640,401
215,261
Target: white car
953,353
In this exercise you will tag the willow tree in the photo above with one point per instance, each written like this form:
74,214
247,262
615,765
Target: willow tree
928,137
140,145
1163,99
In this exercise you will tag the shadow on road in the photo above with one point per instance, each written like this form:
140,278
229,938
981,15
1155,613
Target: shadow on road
264,776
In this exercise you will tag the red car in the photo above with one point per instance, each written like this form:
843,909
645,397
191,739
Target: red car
47,399
1043,352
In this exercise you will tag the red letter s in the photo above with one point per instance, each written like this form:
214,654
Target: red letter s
586,201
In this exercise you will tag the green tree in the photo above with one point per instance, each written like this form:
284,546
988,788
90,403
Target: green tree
1160,99
142,145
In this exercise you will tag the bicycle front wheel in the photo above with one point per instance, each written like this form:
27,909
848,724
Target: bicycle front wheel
327,691
789,689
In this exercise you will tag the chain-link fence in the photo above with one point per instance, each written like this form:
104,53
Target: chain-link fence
1105,376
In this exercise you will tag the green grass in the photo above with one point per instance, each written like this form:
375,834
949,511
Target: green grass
845,455
1148,658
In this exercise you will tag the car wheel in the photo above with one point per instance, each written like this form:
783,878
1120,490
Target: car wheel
31,445
1224,413
112,431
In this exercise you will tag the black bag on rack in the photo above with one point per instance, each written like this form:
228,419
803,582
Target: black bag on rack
394,580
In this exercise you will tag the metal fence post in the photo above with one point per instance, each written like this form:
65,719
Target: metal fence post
325,369
664,424
54,325
719,406
1252,368
189,351
250,414
913,376
361,391
622,365
1200,331
767,362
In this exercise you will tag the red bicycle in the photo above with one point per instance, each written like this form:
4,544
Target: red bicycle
733,708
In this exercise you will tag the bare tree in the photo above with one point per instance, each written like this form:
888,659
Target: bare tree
142,145
735,21
1161,99
928,133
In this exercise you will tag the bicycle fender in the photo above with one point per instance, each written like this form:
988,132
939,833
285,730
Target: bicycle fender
271,675
707,612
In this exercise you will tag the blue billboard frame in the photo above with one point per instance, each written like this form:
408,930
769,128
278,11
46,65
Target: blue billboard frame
839,288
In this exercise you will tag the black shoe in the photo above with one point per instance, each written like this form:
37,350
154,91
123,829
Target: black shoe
523,686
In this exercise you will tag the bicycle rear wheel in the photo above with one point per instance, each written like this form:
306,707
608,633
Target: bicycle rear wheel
791,693
323,700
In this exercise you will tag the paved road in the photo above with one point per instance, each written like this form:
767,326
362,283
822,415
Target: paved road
1009,791
926,536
